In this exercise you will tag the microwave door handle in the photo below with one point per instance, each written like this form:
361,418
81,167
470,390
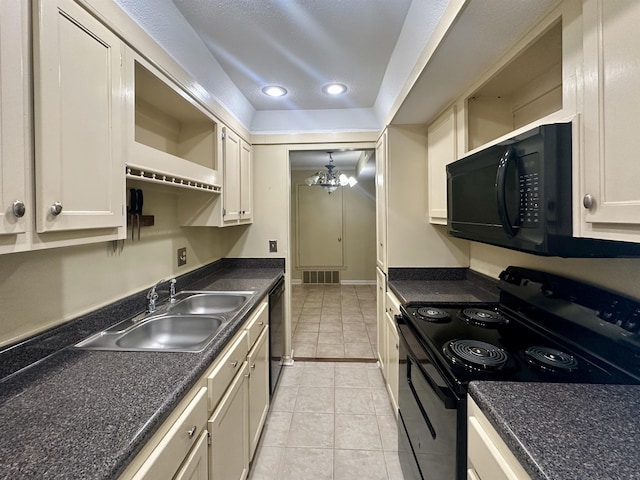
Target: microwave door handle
501,180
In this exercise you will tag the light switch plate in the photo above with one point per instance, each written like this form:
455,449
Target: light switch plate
182,256
273,246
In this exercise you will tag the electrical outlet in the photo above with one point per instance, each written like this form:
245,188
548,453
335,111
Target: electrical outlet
182,256
273,246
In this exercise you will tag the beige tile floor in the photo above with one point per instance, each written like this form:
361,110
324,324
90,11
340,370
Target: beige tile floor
333,321
329,420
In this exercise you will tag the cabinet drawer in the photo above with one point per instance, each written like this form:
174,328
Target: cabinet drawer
226,369
175,445
489,457
258,321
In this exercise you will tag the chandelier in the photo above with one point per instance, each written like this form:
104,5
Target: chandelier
331,178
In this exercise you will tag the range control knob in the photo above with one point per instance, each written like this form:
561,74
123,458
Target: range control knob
632,323
608,313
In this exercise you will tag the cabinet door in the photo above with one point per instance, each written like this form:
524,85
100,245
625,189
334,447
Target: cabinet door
381,202
13,117
246,179
196,466
258,360
78,103
611,105
441,150
392,349
231,181
229,451
380,307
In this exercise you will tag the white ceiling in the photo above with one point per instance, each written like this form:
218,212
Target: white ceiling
232,48
399,61
300,45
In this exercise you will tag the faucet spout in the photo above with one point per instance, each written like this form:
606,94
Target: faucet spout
152,297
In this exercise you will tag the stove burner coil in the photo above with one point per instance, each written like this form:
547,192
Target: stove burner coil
482,318
476,355
431,314
551,359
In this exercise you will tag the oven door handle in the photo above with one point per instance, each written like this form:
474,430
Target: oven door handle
432,430
450,401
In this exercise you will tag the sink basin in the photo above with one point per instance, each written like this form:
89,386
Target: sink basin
164,333
171,333
210,303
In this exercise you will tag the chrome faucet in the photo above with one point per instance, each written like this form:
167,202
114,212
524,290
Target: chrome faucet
152,297
172,290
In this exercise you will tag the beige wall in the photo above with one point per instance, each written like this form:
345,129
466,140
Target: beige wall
359,229
619,274
411,240
44,288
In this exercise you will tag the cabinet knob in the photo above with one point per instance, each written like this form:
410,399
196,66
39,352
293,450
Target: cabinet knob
253,366
260,323
56,208
588,201
192,431
18,208
234,364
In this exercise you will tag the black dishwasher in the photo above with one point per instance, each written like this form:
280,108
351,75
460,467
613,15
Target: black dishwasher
276,333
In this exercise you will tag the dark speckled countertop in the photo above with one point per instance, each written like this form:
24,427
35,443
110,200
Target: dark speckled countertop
442,285
86,414
566,431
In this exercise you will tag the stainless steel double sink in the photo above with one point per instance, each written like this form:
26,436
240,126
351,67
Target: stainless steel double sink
187,325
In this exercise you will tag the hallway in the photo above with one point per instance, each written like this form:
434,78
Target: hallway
333,322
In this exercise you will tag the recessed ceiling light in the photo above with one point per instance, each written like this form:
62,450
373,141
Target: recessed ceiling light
274,91
334,89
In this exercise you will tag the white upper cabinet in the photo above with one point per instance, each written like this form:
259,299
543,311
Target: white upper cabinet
231,191
609,204
237,184
16,207
441,151
246,182
381,202
78,105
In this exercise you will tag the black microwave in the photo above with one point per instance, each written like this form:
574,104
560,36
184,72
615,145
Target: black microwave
518,194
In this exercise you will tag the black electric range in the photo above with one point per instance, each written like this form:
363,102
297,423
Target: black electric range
545,328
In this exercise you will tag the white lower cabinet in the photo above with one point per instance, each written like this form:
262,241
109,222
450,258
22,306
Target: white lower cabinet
258,360
165,460
392,348
228,426
196,466
381,286
488,457
234,395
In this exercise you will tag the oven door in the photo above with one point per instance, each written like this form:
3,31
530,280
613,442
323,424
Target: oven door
428,422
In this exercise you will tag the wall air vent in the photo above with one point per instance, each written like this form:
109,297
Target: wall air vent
321,276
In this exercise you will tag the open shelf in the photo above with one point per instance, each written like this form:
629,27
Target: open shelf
526,89
167,121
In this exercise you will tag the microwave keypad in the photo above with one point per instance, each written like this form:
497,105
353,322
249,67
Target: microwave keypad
529,199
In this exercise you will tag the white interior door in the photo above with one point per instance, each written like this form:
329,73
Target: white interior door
320,232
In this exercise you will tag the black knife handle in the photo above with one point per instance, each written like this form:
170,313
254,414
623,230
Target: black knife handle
133,202
140,201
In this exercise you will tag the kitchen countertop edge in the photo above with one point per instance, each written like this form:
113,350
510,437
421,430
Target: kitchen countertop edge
557,430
